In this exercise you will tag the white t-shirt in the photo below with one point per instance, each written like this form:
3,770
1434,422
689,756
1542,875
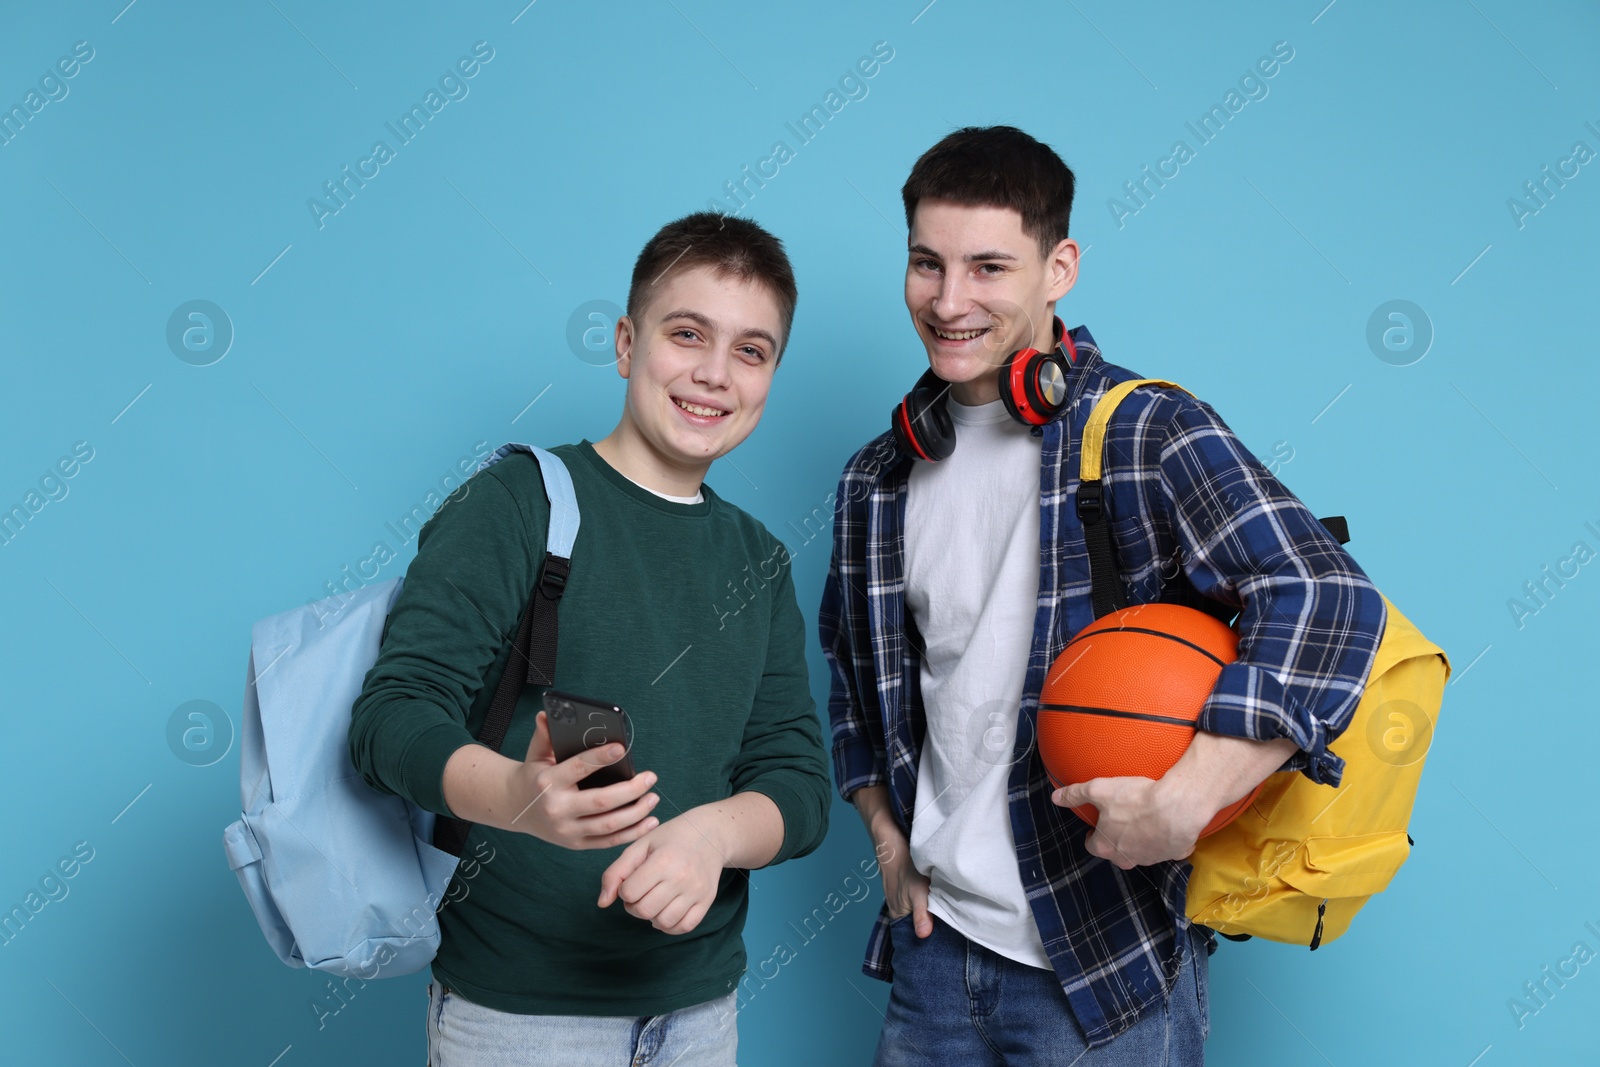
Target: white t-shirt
699,495
972,586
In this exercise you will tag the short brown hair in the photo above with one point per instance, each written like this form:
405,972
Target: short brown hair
730,246
997,166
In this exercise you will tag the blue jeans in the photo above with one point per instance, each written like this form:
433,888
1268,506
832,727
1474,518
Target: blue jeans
464,1034
955,1002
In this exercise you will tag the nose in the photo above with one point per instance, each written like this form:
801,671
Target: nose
950,302
714,371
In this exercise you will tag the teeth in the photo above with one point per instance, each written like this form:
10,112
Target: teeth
964,335
696,409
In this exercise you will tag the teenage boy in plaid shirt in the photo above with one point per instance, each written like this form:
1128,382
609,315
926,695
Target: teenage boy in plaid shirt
1012,934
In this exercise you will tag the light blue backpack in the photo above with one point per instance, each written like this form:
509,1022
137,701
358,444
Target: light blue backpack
343,878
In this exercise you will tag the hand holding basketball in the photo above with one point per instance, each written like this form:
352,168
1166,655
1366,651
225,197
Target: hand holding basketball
1118,711
1141,821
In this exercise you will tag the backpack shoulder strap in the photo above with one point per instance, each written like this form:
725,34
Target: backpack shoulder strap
1094,430
533,653
535,647
557,489
1108,592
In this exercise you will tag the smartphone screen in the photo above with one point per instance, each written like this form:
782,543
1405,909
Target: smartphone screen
579,723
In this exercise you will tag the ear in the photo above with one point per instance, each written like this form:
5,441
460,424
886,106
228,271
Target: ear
1061,268
624,345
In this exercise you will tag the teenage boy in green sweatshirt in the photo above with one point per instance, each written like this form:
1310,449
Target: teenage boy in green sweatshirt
606,923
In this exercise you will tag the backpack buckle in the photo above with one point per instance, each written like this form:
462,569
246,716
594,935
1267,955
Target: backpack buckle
553,577
1090,508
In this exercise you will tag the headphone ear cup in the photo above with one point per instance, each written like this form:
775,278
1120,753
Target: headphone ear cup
921,422
1033,386
1010,386
1048,382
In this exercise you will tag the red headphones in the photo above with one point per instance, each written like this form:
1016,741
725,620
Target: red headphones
1033,388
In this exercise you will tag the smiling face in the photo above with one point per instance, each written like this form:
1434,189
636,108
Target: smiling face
699,363
978,290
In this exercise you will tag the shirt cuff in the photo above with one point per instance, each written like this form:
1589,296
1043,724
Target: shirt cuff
804,819
1250,702
856,765
422,766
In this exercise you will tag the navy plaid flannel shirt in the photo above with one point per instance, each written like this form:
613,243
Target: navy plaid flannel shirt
1186,502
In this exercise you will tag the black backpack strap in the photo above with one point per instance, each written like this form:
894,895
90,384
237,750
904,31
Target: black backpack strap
532,662
1108,592
542,606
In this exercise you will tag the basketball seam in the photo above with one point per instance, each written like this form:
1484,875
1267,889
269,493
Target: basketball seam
1153,633
1116,713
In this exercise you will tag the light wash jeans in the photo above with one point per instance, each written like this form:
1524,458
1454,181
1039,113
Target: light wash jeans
955,1002
464,1034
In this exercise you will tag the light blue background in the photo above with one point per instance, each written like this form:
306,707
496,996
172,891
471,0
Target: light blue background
431,310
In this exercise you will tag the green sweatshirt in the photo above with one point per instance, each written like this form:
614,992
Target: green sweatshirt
683,614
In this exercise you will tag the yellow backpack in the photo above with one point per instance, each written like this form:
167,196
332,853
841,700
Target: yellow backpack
1302,859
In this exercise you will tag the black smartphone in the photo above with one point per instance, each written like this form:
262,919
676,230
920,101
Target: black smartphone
578,723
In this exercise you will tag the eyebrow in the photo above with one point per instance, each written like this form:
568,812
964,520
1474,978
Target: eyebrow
710,327
974,257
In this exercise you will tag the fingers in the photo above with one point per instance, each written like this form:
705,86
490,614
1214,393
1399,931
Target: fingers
1076,799
559,811
610,797
921,918
690,920
576,768
669,909
620,825
621,837
621,868
1100,844
681,915
1070,796
539,750
653,903
648,878
630,880
674,913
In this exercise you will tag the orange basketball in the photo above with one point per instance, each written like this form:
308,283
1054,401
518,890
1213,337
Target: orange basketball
1123,696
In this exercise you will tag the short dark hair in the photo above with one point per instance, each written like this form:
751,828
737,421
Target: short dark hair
730,246
997,166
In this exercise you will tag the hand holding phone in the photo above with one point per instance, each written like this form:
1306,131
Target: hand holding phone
578,724
545,796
